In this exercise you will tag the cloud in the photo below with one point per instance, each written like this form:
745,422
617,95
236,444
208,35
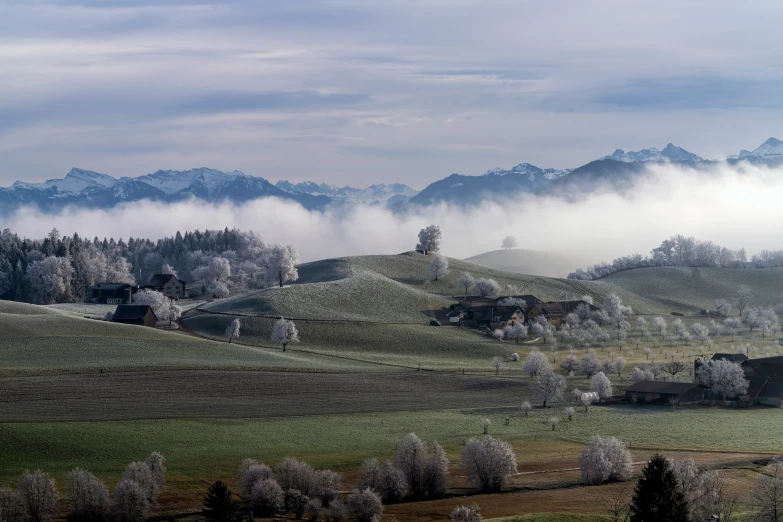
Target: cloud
723,204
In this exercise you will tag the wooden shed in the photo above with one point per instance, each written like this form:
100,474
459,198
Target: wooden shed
141,315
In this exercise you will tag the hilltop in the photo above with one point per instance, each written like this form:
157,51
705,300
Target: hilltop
532,262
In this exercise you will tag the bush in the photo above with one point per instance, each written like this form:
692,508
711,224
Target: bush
336,511
129,502
466,514
365,506
267,498
88,497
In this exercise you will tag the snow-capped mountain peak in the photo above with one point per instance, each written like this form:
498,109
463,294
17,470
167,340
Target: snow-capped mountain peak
678,154
371,195
74,182
670,153
773,147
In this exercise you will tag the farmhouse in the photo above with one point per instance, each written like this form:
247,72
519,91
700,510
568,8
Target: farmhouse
141,315
662,392
110,293
494,316
168,284
553,313
765,374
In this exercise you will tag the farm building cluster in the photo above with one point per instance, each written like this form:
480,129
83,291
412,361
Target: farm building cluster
492,312
122,293
764,377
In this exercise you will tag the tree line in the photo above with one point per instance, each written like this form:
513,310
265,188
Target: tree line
58,269
680,250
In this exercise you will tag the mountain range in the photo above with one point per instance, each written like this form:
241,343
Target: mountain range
88,189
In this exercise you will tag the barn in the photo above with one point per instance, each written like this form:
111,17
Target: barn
661,392
141,315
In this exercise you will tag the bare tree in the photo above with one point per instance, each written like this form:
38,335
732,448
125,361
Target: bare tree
285,332
536,363
438,267
605,460
674,367
488,462
466,514
766,497
548,387
617,502
466,281
496,362
232,331
365,506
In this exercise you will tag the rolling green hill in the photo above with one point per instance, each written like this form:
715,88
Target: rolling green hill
532,262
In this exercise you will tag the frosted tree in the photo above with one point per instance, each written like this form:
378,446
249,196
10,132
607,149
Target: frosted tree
284,332
280,265
724,378
164,308
570,363
515,331
488,462
536,363
487,287
430,239
548,387
498,334
759,318
39,495
639,374
411,459
436,473
742,298
267,498
590,364
252,472
438,267
87,496
168,269
509,242
525,408
466,281
12,509
674,367
232,331
466,514
700,332
766,497
128,502
600,384
722,307
732,324
569,412
659,323
496,362
365,506
50,280
220,290
619,366
605,460
216,270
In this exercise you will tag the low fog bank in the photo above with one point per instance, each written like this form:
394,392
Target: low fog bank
732,208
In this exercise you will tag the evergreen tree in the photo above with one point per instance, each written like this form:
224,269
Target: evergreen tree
657,496
219,505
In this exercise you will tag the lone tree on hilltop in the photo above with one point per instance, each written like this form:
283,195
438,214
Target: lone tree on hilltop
285,332
438,267
657,495
280,265
430,239
509,242
466,281
232,332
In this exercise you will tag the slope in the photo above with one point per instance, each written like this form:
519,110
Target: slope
533,262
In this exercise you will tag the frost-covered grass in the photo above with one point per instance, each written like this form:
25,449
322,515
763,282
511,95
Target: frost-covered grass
98,311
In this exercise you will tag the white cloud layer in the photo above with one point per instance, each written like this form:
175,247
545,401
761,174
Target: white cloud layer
733,208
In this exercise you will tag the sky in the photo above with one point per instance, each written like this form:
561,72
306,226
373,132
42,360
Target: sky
363,91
